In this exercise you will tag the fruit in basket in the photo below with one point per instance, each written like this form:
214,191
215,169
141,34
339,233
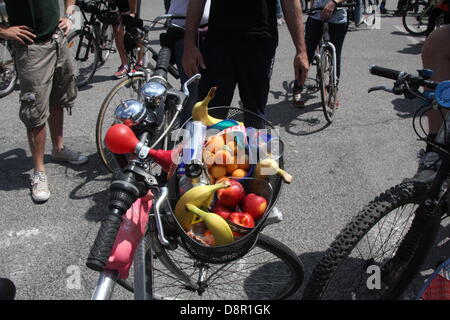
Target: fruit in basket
222,210
223,179
242,219
232,195
200,111
268,167
218,172
223,157
242,162
208,237
216,224
197,196
231,168
208,158
255,205
239,173
214,144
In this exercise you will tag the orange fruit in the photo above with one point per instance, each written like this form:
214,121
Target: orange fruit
223,157
208,158
239,173
214,144
232,167
218,171
242,163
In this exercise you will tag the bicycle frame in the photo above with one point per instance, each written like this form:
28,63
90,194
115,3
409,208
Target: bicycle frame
326,43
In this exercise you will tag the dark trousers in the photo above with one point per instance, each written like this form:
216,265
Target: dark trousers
435,13
313,34
245,63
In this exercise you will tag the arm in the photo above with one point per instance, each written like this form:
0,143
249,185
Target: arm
21,34
329,9
133,7
294,19
192,57
65,24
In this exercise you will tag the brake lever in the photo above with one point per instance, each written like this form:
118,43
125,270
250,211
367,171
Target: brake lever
383,88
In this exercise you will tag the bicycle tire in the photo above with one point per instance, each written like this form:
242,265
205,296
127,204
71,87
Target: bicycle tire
416,11
331,266
8,72
84,67
110,161
327,90
185,284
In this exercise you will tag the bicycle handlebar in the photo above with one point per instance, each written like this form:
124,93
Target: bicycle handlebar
163,63
402,77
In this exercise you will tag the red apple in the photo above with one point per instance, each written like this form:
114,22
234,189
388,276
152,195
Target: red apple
232,195
222,210
243,219
255,205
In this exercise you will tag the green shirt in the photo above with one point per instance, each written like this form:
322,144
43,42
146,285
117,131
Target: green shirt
40,15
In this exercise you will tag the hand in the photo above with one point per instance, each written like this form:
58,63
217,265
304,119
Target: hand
192,59
65,25
21,34
301,67
328,10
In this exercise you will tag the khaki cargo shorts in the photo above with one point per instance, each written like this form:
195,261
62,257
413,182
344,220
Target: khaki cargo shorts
46,79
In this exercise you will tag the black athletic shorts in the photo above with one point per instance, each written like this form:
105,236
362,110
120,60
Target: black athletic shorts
122,5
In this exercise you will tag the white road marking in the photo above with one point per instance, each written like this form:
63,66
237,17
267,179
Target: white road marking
411,39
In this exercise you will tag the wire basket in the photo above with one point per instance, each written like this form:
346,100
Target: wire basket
269,188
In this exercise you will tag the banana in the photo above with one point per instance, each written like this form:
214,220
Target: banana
200,113
198,196
268,167
215,223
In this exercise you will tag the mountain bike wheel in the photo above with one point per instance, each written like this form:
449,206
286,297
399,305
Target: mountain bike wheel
106,41
327,84
415,18
8,73
370,242
85,53
269,271
128,88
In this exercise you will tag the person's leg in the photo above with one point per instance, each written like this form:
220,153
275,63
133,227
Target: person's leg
337,37
436,56
220,73
358,12
254,63
435,12
119,33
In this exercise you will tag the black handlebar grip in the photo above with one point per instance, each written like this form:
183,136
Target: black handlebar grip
101,250
163,59
385,72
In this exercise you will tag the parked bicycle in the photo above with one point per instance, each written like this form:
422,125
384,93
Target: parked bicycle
131,88
416,17
326,80
93,43
168,264
394,233
8,73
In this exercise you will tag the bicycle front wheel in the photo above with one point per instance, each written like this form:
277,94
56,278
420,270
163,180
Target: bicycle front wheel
85,54
327,84
415,18
8,73
269,271
368,246
124,90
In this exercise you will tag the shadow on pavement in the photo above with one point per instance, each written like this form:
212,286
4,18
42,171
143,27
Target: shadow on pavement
96,79
14,166
411,49
296,121
406,108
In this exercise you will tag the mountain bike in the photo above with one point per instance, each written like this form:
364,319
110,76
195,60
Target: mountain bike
8,73
93,43
131,88
168,264
394,233
326,80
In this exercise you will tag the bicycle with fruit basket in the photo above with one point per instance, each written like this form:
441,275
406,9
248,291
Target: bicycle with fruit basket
188,231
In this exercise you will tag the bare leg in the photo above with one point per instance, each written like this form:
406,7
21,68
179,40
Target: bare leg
56,124
119,33
436,56
36,140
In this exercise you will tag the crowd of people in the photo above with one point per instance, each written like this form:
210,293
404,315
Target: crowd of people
229,53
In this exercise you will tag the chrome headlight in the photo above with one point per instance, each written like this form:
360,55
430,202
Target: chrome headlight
154,93
130,112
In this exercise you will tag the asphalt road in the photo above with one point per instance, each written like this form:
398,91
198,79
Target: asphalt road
337,169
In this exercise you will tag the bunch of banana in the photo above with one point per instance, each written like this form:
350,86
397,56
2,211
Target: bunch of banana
216,224
199,196
268,167
200,113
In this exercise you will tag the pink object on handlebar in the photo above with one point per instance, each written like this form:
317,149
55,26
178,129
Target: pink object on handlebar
131,232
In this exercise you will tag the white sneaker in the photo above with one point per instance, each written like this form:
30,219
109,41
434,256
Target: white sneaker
67,155
39,187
